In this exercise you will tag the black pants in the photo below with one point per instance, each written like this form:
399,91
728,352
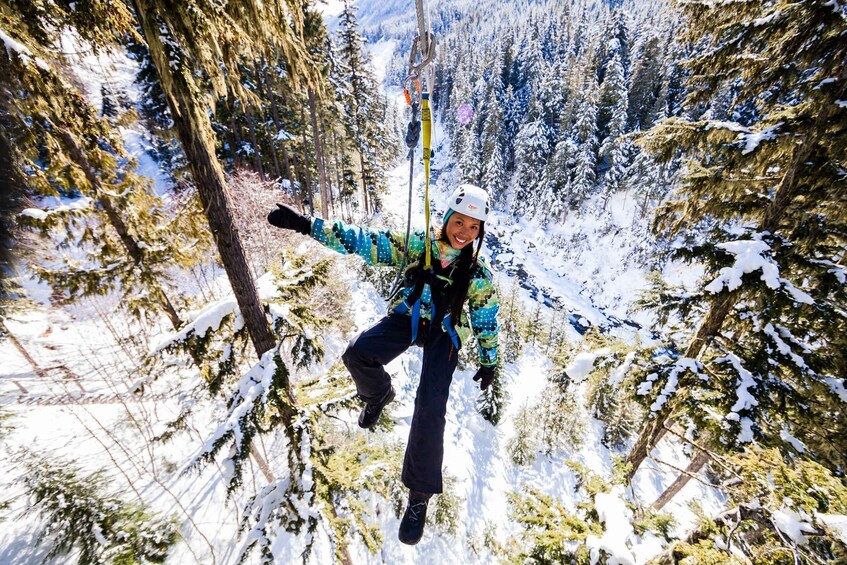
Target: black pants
371,350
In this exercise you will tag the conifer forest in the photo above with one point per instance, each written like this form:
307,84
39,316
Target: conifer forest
667,237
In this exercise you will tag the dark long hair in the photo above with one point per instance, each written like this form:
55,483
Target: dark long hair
458,291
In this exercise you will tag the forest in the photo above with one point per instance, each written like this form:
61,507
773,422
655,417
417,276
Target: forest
668,237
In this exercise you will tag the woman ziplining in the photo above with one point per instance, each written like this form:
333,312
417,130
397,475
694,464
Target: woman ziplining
428,312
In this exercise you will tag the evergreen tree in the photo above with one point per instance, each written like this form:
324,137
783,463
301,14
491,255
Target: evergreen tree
551,99
12,191
558,196
619,157
494,176
764,200
79,519
493,158
612,109
614,150
492,400
531,154
469,161
645,81
585,138
178,40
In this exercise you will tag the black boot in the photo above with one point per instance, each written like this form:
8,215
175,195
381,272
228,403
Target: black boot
370,413
412,526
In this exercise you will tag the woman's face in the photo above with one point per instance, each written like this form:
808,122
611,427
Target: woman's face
461,230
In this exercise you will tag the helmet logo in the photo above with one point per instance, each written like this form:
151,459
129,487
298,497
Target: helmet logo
470,200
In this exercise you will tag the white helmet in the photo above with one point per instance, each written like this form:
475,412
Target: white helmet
469,200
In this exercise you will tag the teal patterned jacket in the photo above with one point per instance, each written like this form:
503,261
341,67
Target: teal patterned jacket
385,248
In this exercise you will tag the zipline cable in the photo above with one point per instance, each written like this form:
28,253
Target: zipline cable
417,88
421,70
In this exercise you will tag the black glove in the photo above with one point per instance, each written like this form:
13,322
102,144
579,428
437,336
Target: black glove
288,218
485,376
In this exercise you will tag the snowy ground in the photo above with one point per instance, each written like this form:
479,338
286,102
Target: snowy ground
84,408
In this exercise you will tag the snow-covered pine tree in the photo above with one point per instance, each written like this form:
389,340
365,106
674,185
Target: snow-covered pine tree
618,39
551,99
469,160
672,92
612,105
619,155
512,115
320,481
777,510
80,517
646,178
493,400
557,197
493,162
612,113
585,139
645,80
532,150
766,198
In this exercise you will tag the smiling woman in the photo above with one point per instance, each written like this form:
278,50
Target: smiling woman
428,312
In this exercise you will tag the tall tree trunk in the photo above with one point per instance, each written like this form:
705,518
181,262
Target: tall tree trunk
286,165
327,167
130,245
364,186
195,134
307,173
257,151
697,462
338,171
275,160
236,136
319,161
664,419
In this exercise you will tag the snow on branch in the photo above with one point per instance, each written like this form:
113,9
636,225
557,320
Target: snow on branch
256,394
40,216
22,51
784,348
681,365
581,366
749,138
752,255
617,520
210,317
286,504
